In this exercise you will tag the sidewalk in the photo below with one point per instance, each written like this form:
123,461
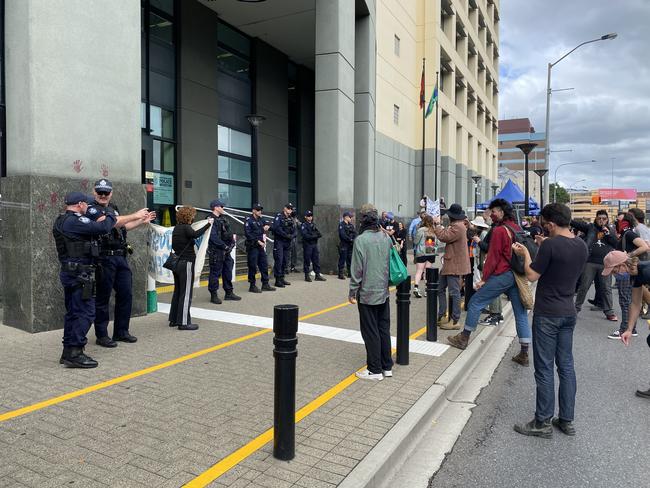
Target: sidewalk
206,395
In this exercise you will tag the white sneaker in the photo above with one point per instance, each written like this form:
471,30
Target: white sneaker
387,374
416,292
367,375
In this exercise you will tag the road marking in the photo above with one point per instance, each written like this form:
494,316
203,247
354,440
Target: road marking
121,379
315,330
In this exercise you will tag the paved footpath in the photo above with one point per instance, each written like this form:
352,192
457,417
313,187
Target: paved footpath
195,408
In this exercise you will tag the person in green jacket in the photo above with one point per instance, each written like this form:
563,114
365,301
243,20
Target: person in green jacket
369,275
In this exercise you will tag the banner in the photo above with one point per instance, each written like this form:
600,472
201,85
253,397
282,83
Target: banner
160,245
628,194
433,207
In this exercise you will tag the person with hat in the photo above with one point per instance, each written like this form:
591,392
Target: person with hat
113,271
76,236
310,254
347,234
283,229
455,264
254,230
220,243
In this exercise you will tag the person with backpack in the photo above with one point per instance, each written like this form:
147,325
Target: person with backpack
424,250
498,278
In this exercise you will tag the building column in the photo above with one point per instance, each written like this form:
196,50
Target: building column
334,120
73,112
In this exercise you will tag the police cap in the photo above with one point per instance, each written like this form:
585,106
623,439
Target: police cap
309,213
103,185
289,206
216,203
347,214
75,197
257,206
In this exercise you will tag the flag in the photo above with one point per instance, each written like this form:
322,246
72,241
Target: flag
422,100
432,102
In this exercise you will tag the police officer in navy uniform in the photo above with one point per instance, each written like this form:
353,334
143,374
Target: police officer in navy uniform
254,230
283,229
347,234
76,236
310,236
113,272
221,242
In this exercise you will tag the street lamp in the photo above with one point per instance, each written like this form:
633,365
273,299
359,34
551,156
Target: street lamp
612,35
494,190
541,173
476,180
526,147
566,164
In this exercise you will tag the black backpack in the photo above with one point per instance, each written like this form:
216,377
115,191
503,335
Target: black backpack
523,238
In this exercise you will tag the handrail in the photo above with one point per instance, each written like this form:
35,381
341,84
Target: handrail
230,215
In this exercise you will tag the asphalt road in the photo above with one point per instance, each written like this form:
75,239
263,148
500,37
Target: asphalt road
612,446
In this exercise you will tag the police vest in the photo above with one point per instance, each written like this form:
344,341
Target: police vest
67,246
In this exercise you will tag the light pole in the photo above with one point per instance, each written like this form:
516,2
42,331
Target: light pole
526,147
566,164
494,190
255,120
541,173
613,35
476,180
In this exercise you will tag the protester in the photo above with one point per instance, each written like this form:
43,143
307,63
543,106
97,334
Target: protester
455,263
369,288
415,223
400,238
634,246
424,251
495,309
498,278
557,267
479,229
600,239
183,241
618,262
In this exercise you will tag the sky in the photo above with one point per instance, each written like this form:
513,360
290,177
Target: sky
607,114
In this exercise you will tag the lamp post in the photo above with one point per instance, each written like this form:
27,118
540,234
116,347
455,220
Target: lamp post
494,190
612,35
254,120
541,173
526,147
476,181
566,164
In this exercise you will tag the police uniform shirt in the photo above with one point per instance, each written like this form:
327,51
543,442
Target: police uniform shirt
283,226
76,226
254,229
220,235
346,232
310,234
117,237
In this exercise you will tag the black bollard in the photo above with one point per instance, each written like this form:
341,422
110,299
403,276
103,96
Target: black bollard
432,304
403,318
285,328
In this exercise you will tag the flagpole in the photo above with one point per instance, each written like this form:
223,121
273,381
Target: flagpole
435,166
423,117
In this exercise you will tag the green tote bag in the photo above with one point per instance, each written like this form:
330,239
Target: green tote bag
397,269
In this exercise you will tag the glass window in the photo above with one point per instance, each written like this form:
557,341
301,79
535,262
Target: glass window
293,197
397,41
233,40
293,157
166,6
231,62
162,122
161,29
234,142
235,196
163,156
234,169
395,114
293,180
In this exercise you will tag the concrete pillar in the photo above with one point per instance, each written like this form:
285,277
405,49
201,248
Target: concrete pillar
447,184
334,119
461,185
73,111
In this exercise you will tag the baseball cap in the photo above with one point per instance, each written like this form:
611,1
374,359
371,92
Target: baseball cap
257,206
289,206
217,203
103,185
613,259
390,215
309,213
75,197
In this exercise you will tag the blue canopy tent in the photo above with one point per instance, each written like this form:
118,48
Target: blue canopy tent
513,194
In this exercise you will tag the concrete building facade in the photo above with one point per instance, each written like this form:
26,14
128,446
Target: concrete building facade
157,96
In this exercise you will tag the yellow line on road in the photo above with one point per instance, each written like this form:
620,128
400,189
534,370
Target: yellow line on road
121,379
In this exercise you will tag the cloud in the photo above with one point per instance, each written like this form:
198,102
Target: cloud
607,114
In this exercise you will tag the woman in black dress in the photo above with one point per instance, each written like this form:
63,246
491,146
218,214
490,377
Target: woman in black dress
183,240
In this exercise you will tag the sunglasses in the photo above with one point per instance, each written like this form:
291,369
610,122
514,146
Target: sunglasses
103,193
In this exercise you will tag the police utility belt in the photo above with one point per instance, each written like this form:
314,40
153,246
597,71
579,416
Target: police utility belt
79,268
113,252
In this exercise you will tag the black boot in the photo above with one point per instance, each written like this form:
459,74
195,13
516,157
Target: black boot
188,327
267,287
254,289
230,295
214,298
319,277
285,282
341,275
349,273
74,357
307,278
279,283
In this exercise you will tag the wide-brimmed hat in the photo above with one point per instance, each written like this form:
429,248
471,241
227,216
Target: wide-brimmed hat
613,259
479,222
455,211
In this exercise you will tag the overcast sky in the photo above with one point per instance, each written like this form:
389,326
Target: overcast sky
607,115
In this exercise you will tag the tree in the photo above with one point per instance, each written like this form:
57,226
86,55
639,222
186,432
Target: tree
561,195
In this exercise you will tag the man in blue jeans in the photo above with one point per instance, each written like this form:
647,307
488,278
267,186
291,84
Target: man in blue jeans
557,267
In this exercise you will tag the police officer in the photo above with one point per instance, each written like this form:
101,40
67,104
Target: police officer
283,229
75,237
292,258
113,272
254,230
347,234
221,242
310,236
